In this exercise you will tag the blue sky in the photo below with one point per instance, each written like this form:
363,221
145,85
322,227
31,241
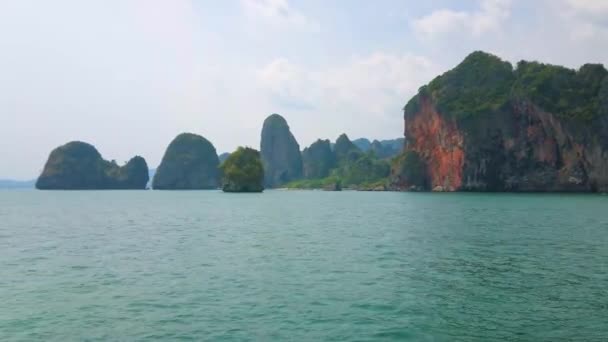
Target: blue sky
129,75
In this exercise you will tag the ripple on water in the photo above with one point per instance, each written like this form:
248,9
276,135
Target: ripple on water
285,266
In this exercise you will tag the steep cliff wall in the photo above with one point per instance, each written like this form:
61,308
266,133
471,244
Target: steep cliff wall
439,142
280,152
486,127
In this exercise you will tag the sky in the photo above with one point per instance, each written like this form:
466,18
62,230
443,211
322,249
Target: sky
129,75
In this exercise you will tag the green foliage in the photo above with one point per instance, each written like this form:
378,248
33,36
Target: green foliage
356,170
481,83
318,160
387,149
243,171
565,92
380,184
122,177
362,168
413,105
410,170
603,97
344,148
319,183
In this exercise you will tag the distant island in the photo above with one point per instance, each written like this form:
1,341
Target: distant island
482,126
79,166
190,163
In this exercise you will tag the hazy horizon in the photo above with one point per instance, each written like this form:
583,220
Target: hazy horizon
129,75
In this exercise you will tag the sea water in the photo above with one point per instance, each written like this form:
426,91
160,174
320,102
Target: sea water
302,266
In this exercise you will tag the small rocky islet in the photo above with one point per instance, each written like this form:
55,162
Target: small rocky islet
79,166
243,171
190,163
482,126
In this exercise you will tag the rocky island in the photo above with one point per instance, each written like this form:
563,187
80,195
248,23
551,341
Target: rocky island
190,163
243,171
487,126
280,152
79,166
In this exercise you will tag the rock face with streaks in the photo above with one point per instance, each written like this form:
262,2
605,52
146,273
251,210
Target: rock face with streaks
486,126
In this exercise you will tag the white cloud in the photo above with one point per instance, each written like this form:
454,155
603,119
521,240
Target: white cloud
488,17
364,95
586,18
128,75
279,13
597,7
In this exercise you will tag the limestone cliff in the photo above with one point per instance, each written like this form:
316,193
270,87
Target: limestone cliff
190,163
318,159
344,149
280,152
79,166
485,126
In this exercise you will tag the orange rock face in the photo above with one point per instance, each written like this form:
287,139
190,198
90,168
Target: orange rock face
440,143
520,149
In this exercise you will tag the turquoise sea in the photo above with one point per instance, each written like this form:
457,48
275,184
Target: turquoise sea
302,266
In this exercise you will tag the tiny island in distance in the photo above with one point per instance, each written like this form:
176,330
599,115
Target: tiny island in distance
483,126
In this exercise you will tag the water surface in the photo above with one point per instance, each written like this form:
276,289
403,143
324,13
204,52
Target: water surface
302,266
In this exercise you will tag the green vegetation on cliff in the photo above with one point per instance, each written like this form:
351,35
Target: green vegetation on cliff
243,171
318,160
316,183
382,148
79,166
345,149
365,168
409,171
480,83
562,91
190,162
345,166
537,127
484,83
222,157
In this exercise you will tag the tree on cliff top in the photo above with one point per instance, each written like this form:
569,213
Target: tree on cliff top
483,83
